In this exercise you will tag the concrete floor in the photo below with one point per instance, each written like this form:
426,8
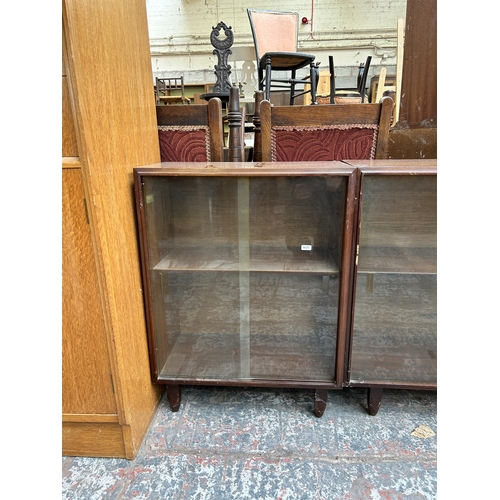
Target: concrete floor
250,443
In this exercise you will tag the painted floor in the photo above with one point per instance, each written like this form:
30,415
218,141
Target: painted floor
251,443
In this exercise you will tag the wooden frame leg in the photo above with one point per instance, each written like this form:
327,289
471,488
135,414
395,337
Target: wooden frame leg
374,400
174,396
320,399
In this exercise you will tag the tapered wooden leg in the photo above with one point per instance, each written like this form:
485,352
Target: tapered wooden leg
374,399
320,398
174,396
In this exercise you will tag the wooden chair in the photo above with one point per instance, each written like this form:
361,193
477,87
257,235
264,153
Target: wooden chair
164,88
191,133
324,133
275,35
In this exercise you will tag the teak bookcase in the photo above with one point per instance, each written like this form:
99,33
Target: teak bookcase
393,338
247,273
252,276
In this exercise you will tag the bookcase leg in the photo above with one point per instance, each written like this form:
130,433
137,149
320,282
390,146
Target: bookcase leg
174,396
374,400
320,398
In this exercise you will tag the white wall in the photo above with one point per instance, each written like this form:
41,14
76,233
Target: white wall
350,30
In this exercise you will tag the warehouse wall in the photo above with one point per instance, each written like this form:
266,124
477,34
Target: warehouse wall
350,30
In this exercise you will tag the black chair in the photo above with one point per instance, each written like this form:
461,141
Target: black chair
275,35
349,95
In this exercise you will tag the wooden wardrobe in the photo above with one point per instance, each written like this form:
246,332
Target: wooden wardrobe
109,127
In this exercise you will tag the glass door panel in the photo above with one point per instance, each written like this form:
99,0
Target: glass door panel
244,274
394,332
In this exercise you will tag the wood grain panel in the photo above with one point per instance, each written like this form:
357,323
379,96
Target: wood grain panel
419,85
69,139
86,381
111,76
99,418
93,440
69,142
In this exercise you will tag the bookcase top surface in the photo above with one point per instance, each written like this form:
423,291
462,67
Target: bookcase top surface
246,168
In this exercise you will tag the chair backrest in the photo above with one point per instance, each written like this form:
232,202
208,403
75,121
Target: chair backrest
362,76
273,31
165,86
325,133
191,133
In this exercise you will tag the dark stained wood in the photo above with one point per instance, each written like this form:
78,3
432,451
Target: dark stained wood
374,400
320,399
303,343
396,166
190,222
393,341
250,169
234,118
174,396
328,114
413,143
257,141
419,82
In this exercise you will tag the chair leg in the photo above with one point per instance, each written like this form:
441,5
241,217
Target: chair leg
268,78
314,76
332,79
261,78
292,88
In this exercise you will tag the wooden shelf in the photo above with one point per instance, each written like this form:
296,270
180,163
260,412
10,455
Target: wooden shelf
270,259
199,356
401,364
397,260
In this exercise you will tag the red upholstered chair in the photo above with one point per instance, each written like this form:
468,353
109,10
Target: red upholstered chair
191,133
325,133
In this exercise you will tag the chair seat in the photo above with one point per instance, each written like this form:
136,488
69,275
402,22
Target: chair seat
287,61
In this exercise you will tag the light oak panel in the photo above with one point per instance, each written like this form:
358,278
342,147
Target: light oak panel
109,67
86,381
69,142
69,139
100,418
93,440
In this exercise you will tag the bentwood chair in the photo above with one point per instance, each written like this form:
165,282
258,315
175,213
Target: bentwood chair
275,36
325,133
191,133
